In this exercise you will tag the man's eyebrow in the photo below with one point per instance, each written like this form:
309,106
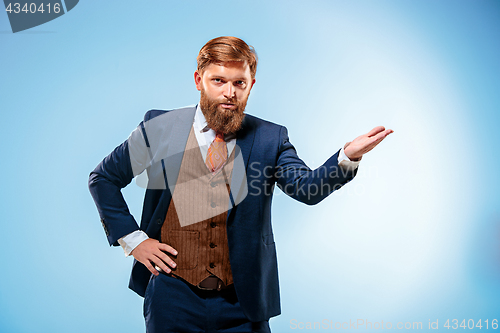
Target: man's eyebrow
225,78
240,79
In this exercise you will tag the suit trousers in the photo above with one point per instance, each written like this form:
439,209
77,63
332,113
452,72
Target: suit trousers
173,305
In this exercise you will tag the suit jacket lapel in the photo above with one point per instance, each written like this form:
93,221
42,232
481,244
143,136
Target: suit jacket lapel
181,124
244,143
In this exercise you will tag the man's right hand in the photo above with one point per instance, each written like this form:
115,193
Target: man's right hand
151,254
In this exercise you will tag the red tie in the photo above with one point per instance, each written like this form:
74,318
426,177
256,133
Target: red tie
217,153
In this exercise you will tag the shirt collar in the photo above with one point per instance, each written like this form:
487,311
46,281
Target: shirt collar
199,120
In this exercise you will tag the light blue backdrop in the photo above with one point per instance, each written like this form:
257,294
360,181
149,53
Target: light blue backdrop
415,237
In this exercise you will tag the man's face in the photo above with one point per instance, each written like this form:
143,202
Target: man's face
224,92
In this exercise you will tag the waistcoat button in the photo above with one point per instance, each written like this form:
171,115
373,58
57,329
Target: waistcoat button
212,265
212,245
213,224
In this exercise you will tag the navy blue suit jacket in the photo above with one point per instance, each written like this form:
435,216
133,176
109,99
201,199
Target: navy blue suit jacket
269,159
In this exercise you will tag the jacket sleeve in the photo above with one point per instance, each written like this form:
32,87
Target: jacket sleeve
111,175
298,181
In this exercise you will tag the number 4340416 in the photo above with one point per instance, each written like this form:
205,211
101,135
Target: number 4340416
470,324
33,8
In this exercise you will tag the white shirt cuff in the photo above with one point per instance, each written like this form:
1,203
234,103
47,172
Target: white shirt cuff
345,163
131,241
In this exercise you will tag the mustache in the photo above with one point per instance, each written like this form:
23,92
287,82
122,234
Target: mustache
228,101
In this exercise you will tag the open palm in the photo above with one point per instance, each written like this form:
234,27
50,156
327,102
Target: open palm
366,142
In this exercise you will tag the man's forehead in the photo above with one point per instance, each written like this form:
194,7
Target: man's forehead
228,66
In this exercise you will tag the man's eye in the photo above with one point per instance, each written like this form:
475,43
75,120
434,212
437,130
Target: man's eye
217,80
240,83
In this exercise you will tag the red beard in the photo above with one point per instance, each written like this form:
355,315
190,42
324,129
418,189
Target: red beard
220,119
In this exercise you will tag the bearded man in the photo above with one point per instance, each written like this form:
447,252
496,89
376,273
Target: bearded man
205,258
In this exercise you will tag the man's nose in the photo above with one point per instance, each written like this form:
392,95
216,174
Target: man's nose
229,91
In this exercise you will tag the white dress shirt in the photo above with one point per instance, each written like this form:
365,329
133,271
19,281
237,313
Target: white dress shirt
205,138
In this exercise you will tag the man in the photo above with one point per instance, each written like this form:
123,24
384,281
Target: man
205,258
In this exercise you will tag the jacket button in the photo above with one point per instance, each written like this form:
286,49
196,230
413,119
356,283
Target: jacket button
212,245
212,265
213,205
158,221
213,224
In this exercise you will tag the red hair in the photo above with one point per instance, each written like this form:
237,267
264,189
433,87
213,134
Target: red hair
225,49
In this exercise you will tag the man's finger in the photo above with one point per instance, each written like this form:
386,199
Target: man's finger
151,268
376,130
382,135
158,262
168,248
375,140
166,259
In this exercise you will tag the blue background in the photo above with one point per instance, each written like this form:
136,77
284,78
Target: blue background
415,237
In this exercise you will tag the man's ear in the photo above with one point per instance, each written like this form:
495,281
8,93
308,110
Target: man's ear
197,80
253,82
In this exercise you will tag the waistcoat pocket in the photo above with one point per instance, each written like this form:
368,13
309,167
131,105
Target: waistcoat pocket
187,243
